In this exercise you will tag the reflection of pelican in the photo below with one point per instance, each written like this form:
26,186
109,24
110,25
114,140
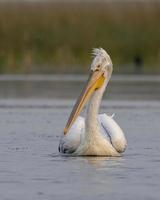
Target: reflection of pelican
96,135
101,162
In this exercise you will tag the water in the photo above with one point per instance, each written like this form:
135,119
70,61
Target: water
31,168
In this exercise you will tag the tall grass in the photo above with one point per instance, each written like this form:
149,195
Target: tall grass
58,37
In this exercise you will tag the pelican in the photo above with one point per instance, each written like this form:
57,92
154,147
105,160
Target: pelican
95,135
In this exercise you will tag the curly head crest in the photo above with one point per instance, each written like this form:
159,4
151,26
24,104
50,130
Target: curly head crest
101,58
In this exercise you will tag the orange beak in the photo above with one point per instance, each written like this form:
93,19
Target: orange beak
95,81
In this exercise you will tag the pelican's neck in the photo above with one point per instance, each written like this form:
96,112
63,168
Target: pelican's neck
93,110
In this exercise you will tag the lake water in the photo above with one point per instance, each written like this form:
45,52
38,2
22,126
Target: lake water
30,127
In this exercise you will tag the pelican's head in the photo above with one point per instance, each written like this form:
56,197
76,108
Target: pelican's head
102,62
101,71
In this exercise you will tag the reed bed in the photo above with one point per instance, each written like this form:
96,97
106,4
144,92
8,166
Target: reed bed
58,37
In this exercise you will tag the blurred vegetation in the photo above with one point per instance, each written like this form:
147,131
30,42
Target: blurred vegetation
58,37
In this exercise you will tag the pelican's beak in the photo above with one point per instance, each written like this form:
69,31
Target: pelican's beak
95,81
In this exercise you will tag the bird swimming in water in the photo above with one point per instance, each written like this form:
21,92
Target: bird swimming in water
97,134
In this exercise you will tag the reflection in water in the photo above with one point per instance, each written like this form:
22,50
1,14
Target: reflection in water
98,162
104,162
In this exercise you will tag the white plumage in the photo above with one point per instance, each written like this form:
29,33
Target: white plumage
94,135
110,131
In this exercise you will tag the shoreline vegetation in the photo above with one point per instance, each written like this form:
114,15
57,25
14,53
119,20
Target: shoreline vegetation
52,37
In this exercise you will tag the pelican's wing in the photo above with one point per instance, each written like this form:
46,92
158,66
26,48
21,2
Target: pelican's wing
70,142
113,132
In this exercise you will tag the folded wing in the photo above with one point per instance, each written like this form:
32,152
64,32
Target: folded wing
70,142
113,132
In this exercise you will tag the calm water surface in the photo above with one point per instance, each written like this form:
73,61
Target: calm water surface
31,168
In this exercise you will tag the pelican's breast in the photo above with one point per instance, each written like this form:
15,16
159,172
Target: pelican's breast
95,144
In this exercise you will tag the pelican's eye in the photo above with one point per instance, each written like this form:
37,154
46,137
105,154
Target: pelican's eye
98,68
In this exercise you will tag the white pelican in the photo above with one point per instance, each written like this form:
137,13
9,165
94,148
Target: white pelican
96,135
